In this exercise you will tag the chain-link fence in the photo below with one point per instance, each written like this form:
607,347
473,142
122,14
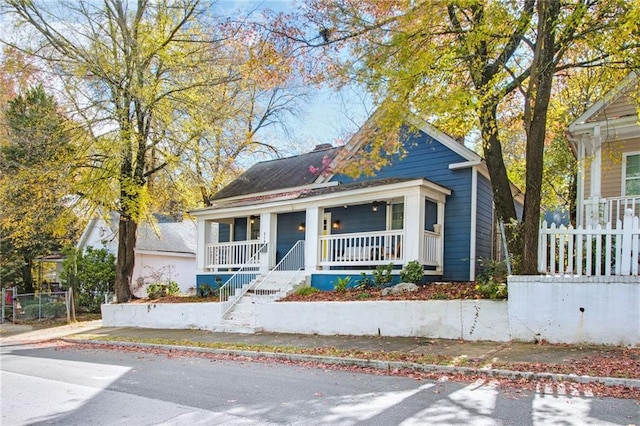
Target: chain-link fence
35,306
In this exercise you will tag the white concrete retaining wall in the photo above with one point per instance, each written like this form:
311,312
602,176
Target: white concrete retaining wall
603,310
162,315
599,310
456,319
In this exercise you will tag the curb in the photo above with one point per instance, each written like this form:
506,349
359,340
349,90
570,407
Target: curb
380,365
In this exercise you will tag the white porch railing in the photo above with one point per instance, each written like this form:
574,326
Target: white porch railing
285,271
591,250
432,252
232,255
612,209
364,248
240,282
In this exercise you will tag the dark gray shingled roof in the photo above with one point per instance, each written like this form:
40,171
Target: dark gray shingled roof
313,192
278,174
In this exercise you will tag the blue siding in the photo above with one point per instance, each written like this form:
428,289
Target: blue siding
224,233
288,232
484,219
210,279
428,158
360,218
327,281
240,229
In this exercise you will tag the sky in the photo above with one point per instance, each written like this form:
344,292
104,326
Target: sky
328,117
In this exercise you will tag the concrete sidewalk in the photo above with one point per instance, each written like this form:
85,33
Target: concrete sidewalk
465,356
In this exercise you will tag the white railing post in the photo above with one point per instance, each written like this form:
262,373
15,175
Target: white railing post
542,248
552,249
627,234
635,246
608,247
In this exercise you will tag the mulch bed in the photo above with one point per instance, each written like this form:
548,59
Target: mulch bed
432,291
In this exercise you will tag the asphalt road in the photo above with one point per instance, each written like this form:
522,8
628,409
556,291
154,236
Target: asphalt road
70,386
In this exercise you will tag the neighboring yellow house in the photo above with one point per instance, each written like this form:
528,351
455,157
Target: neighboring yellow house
606,238
606,141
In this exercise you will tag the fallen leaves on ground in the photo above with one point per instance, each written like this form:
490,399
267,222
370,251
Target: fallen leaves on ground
431,291
624,364
511,386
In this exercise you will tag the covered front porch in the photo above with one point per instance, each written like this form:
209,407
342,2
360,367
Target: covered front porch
343,229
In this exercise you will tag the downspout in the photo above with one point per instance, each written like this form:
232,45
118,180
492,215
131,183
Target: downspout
474,212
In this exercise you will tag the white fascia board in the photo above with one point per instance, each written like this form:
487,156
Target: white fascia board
479,165
464,164
361,195
205,210
622,125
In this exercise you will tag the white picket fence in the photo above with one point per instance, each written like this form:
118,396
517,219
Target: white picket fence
590,251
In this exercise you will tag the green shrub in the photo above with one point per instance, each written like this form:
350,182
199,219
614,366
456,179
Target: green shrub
365,281
45,310
91,274
382,275
31,311
173,288
413,272
157,290
54,310
490,269
341,284
491,280
307,291
205,290
492,290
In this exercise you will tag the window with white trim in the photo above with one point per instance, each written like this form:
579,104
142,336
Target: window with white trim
631,178
397,216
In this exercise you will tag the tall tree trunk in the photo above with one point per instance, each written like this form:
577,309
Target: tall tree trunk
537,105
500,184
492,149
27,275
127,228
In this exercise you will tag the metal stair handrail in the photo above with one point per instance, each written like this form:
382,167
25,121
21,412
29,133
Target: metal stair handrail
292,261
236,286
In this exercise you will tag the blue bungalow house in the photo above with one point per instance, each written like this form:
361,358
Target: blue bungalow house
283,219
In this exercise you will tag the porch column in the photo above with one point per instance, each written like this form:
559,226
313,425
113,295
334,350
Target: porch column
413,225
203,238
595,178
440,230
268,230
313,228
580,213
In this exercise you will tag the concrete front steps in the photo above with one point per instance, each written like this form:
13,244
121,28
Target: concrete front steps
242,316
